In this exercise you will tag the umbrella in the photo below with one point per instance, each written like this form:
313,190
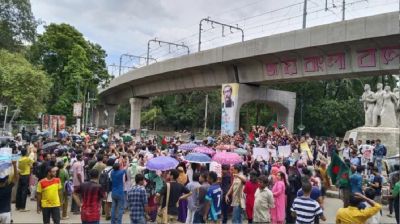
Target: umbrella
162,163
240,151
196,157
204,150
225,147
50,146
187,146
228,158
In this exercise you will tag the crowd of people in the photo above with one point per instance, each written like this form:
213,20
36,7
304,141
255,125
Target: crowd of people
107,175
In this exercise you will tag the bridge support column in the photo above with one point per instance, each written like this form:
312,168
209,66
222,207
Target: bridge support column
111,112
234,95
136,109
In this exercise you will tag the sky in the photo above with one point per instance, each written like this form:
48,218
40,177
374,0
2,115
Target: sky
125,26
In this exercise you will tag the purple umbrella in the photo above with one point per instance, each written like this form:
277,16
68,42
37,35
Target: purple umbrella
204,150
162,163
187,146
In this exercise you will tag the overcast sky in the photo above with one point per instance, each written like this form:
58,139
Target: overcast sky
125,26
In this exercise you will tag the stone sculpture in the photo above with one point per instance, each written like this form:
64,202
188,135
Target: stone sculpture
378,98
381,108
368,99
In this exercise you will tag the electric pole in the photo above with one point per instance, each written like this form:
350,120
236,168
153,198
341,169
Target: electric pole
163,42
305,14
223,25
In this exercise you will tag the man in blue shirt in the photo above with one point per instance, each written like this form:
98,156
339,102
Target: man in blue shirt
117,195
356,180
213,198
137,201
379,153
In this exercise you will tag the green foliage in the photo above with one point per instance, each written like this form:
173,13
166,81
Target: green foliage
22,85
17,24
75,66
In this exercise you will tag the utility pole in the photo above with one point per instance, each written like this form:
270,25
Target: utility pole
205,116
305,14
163,42
223,25
343,10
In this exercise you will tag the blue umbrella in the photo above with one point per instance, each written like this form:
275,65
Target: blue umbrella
187,146
197,157
162,163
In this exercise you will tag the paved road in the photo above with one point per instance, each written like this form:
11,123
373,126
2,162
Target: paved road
331,206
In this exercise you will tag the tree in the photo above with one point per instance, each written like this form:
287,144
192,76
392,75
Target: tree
22,85
17,24
76,66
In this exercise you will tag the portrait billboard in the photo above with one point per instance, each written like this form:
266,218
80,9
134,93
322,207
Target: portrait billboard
229,107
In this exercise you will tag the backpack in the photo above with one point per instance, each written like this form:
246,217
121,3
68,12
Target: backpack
69,187
105,180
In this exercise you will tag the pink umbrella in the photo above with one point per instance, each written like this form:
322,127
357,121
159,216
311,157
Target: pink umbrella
228,158
225,147
204,150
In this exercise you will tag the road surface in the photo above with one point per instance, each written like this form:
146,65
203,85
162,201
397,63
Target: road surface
331,206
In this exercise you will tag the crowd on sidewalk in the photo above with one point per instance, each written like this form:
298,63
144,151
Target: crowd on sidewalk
108,174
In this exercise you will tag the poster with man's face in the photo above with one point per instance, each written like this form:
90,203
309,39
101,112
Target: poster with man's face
229,97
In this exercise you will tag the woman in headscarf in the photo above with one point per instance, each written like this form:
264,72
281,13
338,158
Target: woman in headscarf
182,179
278,213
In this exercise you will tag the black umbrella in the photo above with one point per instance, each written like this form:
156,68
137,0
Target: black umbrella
50,146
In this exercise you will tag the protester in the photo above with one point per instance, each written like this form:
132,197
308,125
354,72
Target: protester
249,190
213,200
200,195
48,196
306,209
92,195
225,185
356,180
117,193
192,187
78,178
7,182
352,214
264,201
176,192
279,190
24,166
236,190
64,177
137,201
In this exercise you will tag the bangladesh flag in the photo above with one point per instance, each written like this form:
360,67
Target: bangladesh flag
338,171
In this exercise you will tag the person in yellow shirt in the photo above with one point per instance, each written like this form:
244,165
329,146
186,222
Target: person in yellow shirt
353,215
24,166
48,196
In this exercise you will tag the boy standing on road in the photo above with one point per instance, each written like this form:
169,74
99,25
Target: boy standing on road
48,196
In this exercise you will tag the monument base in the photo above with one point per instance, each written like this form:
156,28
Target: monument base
390,137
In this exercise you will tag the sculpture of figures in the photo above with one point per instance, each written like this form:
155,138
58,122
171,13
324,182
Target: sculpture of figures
368,99
378,99
396,93
388,113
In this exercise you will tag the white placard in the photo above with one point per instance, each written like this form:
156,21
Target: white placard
272,150
216,167
284,150
262,153
353,135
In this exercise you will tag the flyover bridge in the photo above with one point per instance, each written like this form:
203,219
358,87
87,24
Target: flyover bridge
354,48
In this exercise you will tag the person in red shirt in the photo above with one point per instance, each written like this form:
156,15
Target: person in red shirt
250,189
92,194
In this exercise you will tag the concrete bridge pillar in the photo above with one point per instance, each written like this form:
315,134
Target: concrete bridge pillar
234,95
111,112
136,109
